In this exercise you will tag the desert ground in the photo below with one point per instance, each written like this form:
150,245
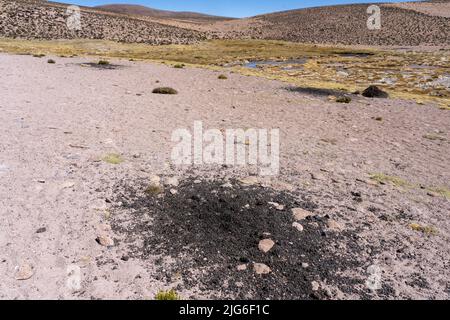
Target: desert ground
81,142
93,206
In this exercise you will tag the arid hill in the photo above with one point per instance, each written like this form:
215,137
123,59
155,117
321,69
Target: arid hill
31,19
160,14
403,24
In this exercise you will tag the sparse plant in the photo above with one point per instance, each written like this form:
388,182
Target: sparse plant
51,61
343,99
39,55
383,179
164,90
167,295
113,158
445,192
430,230
433,137
179,66
222,77
154,189
103,62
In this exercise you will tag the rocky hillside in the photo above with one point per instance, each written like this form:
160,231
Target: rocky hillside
401,24
31,19
160,14
347,25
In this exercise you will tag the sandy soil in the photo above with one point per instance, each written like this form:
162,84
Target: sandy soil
59,120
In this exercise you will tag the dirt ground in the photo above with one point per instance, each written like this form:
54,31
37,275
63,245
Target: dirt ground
376,171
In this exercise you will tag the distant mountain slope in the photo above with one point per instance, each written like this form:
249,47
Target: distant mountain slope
346,24
32,19
405,24
160,14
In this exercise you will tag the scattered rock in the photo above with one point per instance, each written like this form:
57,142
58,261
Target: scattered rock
24,272
305,265
173,181
227,185
374,92
301,214
433,194
317,176
164,90
242,267
265,245
67,185
105,241
261,268
155,180
298,226
334,225
173,191
277,206
41,230
249,181
315,286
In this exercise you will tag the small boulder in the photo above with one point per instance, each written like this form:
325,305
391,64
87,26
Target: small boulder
315,286
334,225
298,226
277,206
374,92
105,240
249,181
242,267
301,214
173,181
24,272
265,245
261,268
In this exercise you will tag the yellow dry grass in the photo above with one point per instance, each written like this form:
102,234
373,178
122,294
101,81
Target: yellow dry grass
323,68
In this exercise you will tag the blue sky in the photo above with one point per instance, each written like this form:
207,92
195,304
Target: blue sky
230,8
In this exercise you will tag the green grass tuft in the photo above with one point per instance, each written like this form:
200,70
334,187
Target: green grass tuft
442,191
430,230
433,137
384,179
167,295
113,158
154,189
343,99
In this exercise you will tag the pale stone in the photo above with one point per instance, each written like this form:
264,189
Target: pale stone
298,226
261,268
265,245
24,272
301,214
